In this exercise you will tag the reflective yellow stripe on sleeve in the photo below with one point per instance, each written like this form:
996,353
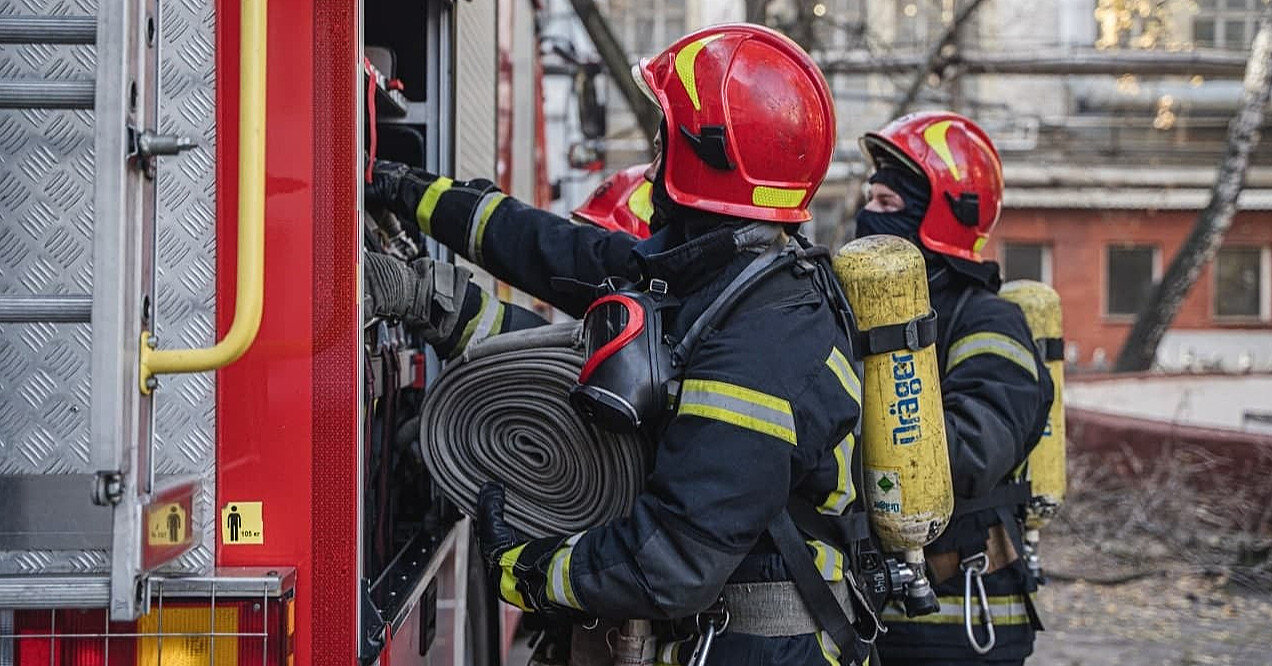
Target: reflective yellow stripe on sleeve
508,580
669,653
739,406
428,203
830,562
838,364
481,213
560,590
991,343
845,492
486,322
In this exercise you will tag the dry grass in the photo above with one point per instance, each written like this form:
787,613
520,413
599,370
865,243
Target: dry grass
1126,517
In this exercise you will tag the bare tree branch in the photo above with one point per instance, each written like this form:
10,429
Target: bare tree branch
755,10
931,62
1066,62
616,61
1215,219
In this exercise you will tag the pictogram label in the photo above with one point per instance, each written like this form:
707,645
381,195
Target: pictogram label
242,523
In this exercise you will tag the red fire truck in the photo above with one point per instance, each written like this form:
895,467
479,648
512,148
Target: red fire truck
206,453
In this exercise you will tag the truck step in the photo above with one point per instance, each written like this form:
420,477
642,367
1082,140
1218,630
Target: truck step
48,30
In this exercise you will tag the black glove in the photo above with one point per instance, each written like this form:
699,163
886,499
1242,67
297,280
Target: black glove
518,567
397,187
425,293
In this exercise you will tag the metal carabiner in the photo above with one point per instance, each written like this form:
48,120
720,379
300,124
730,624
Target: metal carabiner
716,619
878,628
974,567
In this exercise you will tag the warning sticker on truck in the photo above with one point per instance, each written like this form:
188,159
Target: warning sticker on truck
167,525
242,523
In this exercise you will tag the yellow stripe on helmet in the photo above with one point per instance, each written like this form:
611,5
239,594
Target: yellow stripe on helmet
934,135
684,67
777,197
640,203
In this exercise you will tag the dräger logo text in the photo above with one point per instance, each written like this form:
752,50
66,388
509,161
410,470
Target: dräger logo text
907,388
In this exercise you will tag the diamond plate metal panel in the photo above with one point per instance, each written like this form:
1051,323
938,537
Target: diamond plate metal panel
185,408
46,218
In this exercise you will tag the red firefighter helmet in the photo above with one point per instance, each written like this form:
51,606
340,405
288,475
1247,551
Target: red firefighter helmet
963,169
750,122
621,203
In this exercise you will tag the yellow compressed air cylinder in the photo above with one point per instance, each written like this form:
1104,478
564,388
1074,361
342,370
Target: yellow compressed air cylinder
907,464
1046,464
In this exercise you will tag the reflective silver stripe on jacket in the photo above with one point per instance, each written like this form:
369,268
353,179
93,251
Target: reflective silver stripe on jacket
992,343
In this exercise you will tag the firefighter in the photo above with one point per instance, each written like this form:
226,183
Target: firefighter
937,181
621,203
761,422
452,312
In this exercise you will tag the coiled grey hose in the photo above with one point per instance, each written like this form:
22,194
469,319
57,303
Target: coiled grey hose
502,412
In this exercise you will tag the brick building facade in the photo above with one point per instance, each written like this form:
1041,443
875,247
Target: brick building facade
1103,264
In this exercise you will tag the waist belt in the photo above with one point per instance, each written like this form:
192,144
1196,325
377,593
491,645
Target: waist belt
776,608
998,549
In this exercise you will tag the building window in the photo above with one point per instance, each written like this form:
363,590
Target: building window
1131,272
1225,24
1241,283
1026,261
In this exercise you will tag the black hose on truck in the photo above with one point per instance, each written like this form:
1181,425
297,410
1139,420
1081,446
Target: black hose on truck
502,412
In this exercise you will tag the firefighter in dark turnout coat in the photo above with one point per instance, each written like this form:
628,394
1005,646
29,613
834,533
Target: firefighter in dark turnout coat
768,408
938,182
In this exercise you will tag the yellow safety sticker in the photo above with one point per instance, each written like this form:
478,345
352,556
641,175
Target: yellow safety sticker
242,523
167,525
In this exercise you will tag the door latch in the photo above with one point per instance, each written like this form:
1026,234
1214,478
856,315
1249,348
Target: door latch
147,145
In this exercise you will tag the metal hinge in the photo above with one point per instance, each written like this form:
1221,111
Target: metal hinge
108,488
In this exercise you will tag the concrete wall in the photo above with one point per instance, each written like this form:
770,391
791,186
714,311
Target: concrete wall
1232,402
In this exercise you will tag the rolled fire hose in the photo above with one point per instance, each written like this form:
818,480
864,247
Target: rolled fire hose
502,412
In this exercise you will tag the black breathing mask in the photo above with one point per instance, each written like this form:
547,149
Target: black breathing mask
624,380
628,381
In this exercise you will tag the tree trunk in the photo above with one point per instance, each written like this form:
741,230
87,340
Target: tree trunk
755,11
931,62
1199,248
615,59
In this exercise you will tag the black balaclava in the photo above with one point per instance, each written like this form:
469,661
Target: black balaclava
916,193
914,190
693,222
687,245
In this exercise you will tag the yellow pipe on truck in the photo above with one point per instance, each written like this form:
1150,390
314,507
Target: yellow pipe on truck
904,452
1045,468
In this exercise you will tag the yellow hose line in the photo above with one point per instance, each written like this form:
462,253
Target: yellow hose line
250,283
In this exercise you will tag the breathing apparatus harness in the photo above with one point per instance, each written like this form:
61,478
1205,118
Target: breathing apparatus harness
973,552
631,377
631,380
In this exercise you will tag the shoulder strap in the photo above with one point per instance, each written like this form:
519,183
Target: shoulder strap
755,272
945,341
815,591
840,531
